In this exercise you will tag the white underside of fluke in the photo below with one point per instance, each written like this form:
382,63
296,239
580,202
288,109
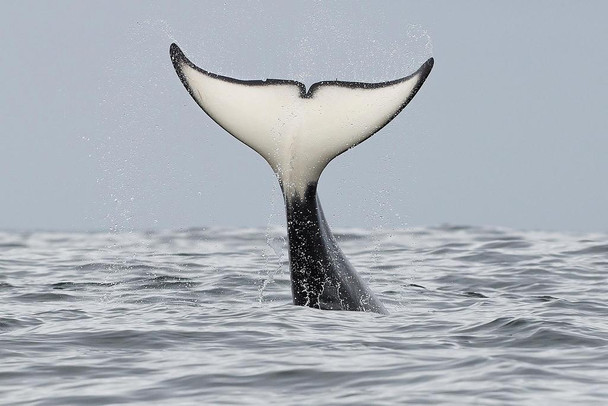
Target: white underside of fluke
297,133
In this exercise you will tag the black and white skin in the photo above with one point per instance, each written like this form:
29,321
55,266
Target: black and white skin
298,132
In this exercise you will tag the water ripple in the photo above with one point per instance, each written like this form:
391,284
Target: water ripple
204,316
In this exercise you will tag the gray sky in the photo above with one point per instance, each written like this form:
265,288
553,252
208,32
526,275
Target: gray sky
510,128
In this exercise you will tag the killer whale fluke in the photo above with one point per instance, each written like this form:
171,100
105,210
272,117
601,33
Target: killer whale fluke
298,132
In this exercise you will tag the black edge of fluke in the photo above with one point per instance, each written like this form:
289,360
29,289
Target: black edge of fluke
178,56
423,71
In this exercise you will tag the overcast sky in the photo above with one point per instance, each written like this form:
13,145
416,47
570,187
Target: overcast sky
510,129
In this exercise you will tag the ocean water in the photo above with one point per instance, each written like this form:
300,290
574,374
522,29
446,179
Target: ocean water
479,316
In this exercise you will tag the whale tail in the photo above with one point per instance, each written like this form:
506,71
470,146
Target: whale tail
297,131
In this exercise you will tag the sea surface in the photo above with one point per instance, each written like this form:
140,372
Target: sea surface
478,316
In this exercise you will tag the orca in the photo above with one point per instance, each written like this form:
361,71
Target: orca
298,132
